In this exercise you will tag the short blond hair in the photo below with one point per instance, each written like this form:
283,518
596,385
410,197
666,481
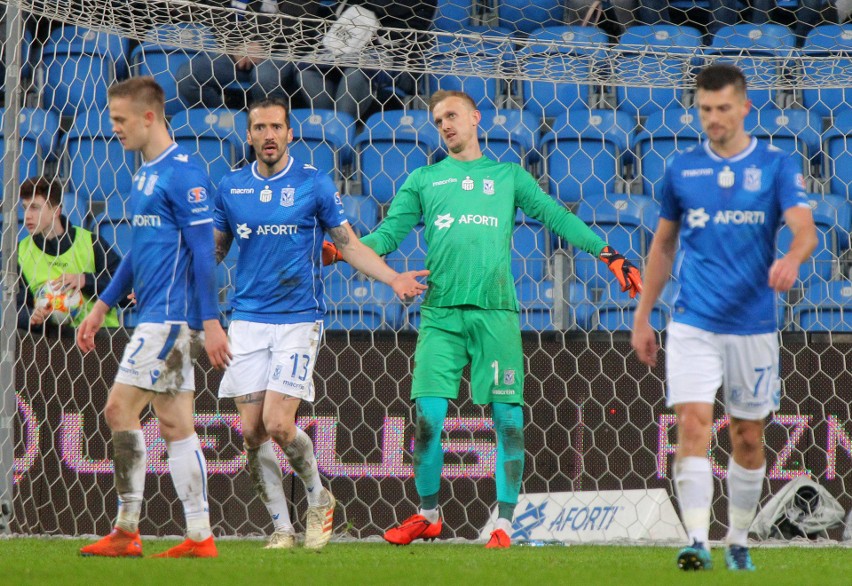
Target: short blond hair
442,95
143,90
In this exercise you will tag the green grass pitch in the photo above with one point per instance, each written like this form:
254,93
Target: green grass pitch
56,561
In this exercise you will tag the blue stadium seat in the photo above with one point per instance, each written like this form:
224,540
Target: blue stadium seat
661,54
161,56
117,234
620,222
837,154
79,65
537,304
356,304
217,137
664,133
473,49
750,47
560,53
453,15
584,152
793,131
362,211
833,213
524,16
99,168
830,47
509,136
39,132
616,310
530,252
411,253
825,307
322,138
820,267
392,145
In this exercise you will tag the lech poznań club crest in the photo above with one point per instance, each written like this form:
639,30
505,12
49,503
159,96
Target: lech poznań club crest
467,184
287,196
488,187
266,195
751,181
725,177
508,377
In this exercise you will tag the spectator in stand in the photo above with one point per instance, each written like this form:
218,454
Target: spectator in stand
590,12
207,78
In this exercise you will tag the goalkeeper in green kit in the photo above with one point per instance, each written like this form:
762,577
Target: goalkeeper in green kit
470,313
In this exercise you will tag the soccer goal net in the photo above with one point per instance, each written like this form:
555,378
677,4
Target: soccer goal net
590,97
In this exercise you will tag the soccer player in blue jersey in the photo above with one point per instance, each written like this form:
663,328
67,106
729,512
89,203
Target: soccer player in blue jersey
277,209
724,200
170,269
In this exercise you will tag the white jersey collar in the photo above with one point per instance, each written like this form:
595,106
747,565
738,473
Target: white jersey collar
278,175
738,157
161,156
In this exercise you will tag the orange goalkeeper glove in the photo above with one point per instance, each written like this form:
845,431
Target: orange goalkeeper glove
627,274
330,254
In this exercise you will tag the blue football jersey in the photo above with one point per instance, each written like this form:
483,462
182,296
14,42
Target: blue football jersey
170,193
729,212
278,223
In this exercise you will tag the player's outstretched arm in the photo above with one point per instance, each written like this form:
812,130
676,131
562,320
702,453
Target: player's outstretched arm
785,270
625,271
657,273
364,258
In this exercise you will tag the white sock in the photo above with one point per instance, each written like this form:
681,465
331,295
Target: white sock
300,454
189,475
432,515
130,458
744,489
268,482
694,486
504,524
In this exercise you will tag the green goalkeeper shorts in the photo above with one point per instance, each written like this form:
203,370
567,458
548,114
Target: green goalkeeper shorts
488,339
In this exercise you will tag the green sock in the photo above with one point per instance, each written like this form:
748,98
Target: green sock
509,425
428,454
505,510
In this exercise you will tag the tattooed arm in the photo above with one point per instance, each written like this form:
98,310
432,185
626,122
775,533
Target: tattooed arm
223,241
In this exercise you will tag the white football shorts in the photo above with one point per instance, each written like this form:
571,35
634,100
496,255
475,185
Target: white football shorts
161,357
274,357
698,362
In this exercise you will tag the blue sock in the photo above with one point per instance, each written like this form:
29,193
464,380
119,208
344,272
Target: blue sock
428,454
509,425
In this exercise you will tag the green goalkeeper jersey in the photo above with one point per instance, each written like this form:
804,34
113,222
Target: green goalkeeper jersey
468,210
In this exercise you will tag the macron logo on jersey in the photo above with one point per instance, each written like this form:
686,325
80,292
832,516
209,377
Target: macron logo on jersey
698,218
182,158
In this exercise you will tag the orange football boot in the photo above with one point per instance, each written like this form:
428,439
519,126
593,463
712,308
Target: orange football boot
415,527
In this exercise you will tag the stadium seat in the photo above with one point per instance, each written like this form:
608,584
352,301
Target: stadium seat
821,265
79,65
584,152
411,253
39,133
356,304
117,234
472,50
833,213
539,305
837,154
453,15
559,65
392,145
509,136
825,307
616,310
99,168
530,252
621,224
217,137
161,55
750,46
322,138
663,134
659,54
362,211
524,16
794,131
827,67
